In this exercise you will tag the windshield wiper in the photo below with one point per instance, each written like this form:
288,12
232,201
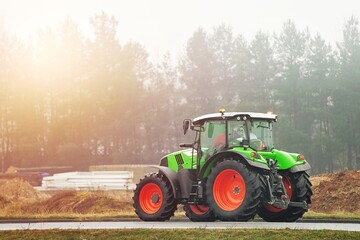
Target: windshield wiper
259,126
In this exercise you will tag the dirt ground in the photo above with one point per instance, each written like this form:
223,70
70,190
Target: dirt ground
336,192
18,197
333,193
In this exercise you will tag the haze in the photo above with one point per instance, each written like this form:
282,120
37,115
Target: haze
162,25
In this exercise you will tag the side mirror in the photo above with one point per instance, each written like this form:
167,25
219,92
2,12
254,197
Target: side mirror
186,125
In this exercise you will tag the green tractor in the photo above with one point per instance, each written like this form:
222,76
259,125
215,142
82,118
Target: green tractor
231,172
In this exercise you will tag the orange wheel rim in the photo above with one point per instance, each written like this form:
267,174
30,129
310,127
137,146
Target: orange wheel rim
199,209
150,198
229,190
289,192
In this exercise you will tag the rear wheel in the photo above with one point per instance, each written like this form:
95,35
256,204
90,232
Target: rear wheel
298,188
154,199
233,191
199,213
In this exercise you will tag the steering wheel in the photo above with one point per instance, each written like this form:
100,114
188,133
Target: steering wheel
257,144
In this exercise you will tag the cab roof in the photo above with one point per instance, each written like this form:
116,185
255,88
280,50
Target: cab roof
229,115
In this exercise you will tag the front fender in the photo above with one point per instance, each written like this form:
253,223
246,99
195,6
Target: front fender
300,168
288,161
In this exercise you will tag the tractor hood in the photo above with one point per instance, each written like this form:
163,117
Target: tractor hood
285,160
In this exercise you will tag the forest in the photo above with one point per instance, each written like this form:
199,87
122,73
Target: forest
70,99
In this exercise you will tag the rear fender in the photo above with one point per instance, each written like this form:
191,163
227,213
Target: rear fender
171,175
205,170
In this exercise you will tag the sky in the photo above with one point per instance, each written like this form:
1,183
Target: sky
166,25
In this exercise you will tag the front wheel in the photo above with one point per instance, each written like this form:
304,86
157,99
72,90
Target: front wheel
298,188
154,198
233,191
199,213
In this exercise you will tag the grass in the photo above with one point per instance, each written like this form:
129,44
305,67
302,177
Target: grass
338,215
80,216
70,216
184,234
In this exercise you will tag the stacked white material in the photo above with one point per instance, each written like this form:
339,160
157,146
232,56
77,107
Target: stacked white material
97,180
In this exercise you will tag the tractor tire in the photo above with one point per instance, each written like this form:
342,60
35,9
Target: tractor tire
154,198
199,213
298,188
233,191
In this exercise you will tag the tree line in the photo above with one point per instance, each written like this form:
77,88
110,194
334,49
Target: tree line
70,99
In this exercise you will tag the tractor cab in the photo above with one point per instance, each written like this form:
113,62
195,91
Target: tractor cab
240,131
236,130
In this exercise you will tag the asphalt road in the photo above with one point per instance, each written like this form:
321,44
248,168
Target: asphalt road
178,225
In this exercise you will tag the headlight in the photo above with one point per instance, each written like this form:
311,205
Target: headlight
300,158
255,155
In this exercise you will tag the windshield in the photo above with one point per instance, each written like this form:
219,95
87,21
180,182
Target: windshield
237,132
261,135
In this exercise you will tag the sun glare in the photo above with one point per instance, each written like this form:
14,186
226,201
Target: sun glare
26,18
